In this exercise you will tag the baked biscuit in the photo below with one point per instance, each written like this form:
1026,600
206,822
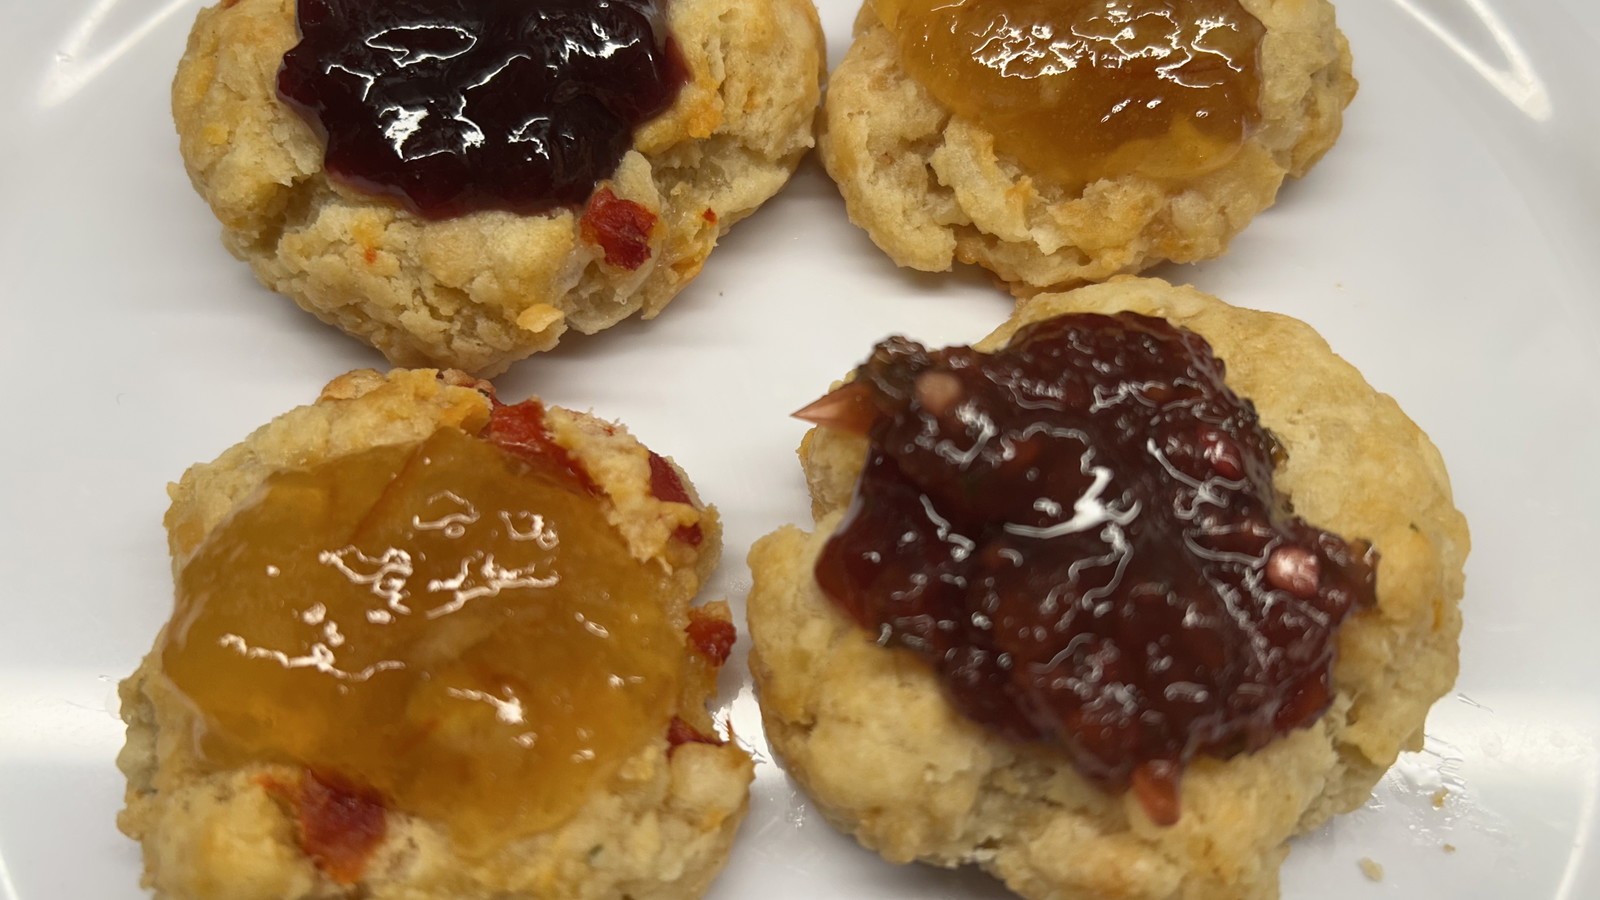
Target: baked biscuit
930,188
265,824
481,290
872,736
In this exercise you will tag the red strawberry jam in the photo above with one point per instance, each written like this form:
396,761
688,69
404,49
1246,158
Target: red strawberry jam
1081,535
452,106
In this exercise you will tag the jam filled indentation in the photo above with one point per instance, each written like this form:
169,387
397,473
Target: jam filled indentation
453,626
1080,90
454,106
1081,535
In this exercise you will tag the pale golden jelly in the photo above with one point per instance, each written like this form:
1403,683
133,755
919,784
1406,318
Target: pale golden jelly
455,627
1080,90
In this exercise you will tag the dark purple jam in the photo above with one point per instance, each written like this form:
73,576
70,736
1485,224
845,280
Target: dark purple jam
1080,533
453,106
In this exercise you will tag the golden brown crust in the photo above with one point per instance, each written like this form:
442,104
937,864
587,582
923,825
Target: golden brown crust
661,829
931,191
868,733
481,291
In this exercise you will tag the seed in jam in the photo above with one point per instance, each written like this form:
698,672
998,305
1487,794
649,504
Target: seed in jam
452,626
1080,90
454,106
1081,535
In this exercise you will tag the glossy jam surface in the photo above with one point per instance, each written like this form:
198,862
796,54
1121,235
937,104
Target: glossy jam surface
452,106
1081,535
450,625
1086,89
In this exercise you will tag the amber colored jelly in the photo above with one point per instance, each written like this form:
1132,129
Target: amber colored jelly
1080,90
451,625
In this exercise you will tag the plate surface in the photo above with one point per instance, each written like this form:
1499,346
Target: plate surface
1446,247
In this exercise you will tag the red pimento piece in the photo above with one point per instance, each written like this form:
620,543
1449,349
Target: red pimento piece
619,227
341,823
666,485
520,430
664,481
710,636
710,215
680,732
848,408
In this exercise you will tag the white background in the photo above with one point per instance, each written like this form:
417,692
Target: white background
1446,246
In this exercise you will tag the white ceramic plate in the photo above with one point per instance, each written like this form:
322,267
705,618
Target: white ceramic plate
1446,246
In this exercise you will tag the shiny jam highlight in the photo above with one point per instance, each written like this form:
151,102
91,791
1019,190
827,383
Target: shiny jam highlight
1081,535
1081,90
453,106
454,626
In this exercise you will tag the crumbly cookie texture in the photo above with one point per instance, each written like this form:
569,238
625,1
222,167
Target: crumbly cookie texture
481,291
661,829
869,734
930,190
